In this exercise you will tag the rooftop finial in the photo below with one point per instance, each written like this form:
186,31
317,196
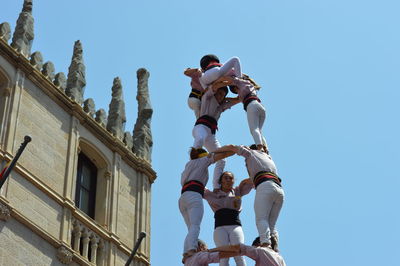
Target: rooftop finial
116,114
5,31
142,138
23,34
76,81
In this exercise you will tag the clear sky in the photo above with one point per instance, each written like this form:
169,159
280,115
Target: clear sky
330,80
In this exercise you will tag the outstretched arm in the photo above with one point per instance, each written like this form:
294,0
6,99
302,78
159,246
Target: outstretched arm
192,72
224,254
245,186
222,155
227,148
228,248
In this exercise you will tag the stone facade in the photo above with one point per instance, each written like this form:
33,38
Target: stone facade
38,215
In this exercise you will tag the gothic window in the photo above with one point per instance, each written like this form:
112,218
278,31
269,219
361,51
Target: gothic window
86,182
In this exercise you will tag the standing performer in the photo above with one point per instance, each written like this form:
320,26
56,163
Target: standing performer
194,178
269,193
213,103
247,92
227,204
213,70
194,100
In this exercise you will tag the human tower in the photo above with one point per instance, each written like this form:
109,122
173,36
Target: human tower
208,99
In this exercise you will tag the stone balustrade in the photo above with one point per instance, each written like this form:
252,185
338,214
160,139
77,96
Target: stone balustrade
87,243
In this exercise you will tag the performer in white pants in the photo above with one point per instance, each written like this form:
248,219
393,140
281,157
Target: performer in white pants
194,178
226,203
213,103
213,70
194,100
269,193
251,104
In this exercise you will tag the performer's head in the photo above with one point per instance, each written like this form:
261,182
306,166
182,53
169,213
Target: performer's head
220,94
208,59
226,180
256,242
197,153
201,245
260,147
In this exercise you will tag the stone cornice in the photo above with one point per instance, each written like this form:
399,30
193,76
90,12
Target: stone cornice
74,109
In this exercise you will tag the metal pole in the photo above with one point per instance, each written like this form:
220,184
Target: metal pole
3,179
140,238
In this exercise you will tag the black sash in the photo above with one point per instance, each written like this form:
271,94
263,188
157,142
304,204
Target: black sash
248,99
226,217
208,121
195,186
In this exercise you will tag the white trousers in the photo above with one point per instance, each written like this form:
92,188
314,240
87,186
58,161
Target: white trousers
267,205
192,210
229,235
203,137
195,105
255,119
215,73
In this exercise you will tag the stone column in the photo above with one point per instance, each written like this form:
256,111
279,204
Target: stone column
70,180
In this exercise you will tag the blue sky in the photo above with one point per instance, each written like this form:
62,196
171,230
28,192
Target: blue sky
330,80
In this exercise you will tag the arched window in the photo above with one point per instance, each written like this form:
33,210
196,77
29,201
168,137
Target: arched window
86,182
92,194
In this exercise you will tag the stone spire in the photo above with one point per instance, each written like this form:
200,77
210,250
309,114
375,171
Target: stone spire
142,138
23,34
116,114
76,81
5,31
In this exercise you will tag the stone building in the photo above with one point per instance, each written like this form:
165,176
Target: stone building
80,193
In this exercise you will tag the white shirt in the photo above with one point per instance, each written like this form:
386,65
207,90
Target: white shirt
257,161
197,169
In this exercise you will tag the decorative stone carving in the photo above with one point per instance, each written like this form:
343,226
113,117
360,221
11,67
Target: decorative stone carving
23,34
48,70
60,81
107,175
116,114
5,31
89,107
101,117
4,212
76,81
142,137
85,241
128,140
64,255
37,60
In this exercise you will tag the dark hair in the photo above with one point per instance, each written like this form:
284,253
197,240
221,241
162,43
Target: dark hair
256,242
207,59
253,147
233,89
194,153
220,177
